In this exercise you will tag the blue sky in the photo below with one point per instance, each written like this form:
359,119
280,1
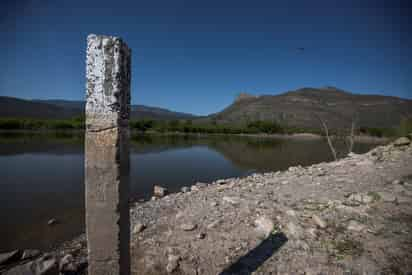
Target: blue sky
195,56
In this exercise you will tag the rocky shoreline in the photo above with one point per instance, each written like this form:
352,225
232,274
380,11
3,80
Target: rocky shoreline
352,216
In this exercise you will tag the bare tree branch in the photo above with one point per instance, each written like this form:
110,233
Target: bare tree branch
326,130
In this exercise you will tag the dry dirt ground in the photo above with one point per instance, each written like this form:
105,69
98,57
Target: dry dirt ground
352,216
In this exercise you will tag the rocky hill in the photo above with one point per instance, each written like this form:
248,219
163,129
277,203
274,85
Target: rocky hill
62,109
300,108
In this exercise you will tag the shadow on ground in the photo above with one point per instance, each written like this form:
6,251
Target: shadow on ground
257,256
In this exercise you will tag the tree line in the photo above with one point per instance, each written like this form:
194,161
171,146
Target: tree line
190,126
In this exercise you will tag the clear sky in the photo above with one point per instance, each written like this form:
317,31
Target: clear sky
195,56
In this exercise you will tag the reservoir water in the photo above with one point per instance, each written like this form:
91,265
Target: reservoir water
42,175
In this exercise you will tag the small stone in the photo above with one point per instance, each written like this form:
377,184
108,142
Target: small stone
185,189
188,226
294,230
231,200
396,182
194,188
319,221
355,226
360,198
312,232
213,204
201,235
201,185
172,263
403,141
264,225
214,224
139,227
52,222
159,191
291,212
221,182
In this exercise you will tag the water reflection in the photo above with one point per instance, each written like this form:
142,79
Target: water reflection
42,175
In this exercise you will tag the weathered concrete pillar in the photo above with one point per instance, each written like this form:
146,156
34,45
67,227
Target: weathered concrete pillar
107,155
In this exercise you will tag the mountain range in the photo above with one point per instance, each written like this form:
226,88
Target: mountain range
62,109
304,107
300,108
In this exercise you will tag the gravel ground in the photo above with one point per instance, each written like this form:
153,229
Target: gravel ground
353,216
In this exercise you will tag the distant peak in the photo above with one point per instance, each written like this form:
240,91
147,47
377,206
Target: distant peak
244,96
332,88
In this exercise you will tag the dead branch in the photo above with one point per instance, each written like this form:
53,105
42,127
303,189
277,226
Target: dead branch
326,130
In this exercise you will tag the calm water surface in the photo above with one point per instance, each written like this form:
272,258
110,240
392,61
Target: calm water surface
42,177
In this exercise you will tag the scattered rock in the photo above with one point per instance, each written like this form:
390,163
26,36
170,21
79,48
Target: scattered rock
30,253
221,181
264,225
231,200
194,188
8,257
355,226
139,227
201,235
185,189
294,230
312,232
319,221
38,267
52,222
361,198
188,226
213,204
159,191
200,184
403,141
291,212
67,265
172,263
214,224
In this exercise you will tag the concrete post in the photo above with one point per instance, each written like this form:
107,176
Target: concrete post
107,155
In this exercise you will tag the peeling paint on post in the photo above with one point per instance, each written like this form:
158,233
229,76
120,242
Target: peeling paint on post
107,155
